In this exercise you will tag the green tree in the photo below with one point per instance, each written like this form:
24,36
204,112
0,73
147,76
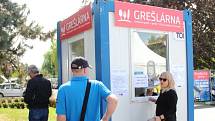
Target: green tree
21,73
49,67
203,15
204,34
15,30
157,44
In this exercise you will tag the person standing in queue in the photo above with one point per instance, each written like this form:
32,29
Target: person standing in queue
167,100
37,95
71,96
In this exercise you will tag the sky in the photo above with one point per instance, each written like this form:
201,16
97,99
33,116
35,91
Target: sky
46,13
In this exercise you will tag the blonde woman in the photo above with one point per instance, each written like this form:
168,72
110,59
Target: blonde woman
167,100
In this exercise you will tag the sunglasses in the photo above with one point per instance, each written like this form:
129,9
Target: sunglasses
162,79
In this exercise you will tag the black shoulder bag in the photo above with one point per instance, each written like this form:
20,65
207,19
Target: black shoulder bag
86,96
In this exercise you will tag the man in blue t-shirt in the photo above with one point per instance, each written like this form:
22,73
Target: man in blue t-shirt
71,95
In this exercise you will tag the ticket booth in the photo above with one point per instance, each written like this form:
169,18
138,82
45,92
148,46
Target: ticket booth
129,45
76,38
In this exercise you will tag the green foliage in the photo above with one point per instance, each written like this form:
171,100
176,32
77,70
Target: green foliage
22,100
5,105
204,34
3,101
14,32
1,81
158,45
49,67
9,100
21,73
22,105
17,105
11,105
16,100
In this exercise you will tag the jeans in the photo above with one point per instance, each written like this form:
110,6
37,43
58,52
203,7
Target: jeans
38,114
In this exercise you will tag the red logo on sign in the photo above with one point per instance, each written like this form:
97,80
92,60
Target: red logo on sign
77,23
149,17
201,75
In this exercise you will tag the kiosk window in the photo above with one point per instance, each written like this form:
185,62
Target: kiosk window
77,48
148,55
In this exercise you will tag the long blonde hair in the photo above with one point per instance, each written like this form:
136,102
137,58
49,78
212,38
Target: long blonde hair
171,83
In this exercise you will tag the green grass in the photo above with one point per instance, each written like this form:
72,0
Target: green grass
8,114
52,114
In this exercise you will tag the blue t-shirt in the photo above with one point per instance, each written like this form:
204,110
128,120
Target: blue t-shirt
71,95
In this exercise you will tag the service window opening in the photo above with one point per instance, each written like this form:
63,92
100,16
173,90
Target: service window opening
76,49
148,61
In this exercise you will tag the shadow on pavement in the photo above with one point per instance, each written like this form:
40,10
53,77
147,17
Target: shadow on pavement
203,106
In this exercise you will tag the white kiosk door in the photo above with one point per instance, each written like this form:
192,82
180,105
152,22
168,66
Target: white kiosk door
83,45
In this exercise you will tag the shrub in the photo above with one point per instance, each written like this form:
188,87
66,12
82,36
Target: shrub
9,100
16,100
22,99
11,105
5,105
22,105
3,101
17,105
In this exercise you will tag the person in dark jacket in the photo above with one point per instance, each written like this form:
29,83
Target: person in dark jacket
37,95
167,100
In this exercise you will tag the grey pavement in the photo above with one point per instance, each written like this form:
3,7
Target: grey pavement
204,113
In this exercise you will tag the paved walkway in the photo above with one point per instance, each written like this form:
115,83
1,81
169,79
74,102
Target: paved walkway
204,113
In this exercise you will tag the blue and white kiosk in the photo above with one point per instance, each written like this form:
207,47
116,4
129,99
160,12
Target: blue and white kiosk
129,45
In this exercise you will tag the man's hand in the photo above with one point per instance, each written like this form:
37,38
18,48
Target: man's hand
157,118
61,118
152,99
103,120
111,107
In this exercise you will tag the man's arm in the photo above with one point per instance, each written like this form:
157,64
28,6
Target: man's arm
29,92
61,118
50,88
111,107
61,105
